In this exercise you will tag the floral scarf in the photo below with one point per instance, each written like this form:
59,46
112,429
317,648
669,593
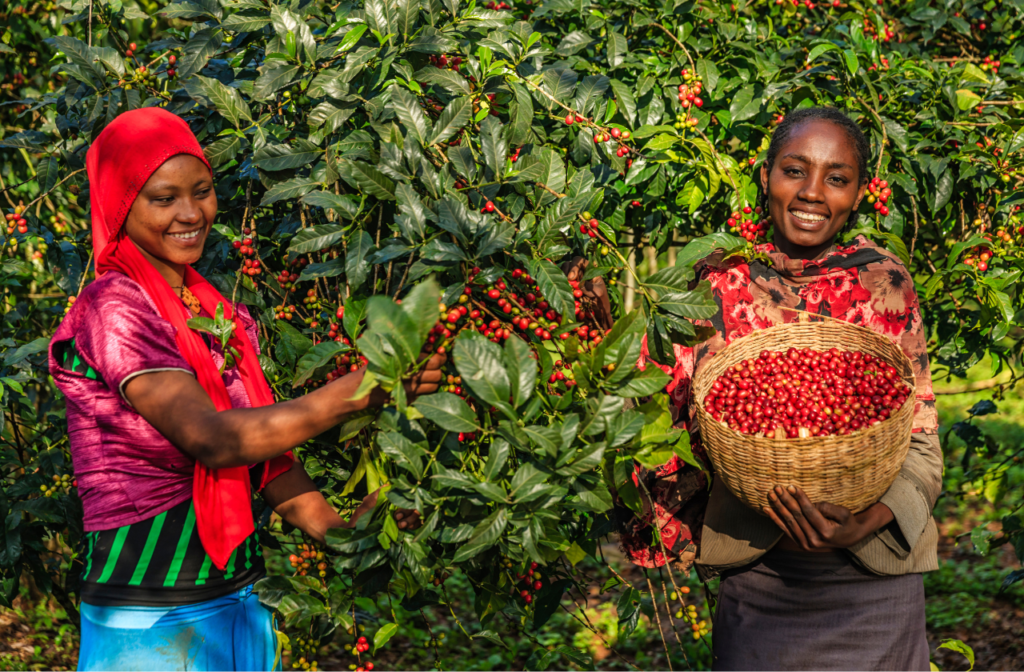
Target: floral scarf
860,283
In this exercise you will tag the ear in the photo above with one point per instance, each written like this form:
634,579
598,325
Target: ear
764,177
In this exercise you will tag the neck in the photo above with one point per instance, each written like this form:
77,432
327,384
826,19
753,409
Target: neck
173,273
793,251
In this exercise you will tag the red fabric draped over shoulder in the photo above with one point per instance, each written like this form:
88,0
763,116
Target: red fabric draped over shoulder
124,156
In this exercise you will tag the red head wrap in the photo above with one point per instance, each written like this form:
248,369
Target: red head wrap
124,156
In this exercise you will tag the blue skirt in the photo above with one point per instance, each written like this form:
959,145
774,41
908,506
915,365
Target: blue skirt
234,632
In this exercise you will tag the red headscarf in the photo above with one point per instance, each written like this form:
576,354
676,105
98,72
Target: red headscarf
119,163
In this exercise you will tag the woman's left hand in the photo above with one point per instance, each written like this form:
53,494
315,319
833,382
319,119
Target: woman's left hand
822,525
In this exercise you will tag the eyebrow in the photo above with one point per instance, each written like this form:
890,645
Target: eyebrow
835,165
169,185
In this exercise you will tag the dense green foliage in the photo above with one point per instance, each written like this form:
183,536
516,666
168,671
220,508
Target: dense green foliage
357,147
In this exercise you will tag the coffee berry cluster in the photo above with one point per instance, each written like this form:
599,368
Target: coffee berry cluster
62,483
15,220
879,194
303,649
748,224
309,560
531,581
801,393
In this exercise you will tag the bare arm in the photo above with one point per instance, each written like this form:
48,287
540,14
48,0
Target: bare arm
294,496
176,404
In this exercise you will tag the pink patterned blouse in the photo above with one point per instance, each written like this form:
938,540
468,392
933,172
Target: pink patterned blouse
126,470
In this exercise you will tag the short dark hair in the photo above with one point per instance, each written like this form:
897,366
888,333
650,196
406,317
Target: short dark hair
832,115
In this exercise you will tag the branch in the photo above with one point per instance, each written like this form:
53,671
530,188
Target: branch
676,40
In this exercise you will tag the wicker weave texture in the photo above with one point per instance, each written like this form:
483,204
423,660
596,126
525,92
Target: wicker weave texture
852,470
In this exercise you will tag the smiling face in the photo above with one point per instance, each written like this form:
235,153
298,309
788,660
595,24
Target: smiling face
172,215
813,188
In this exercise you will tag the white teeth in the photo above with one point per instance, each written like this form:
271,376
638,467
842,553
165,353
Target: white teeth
186,236
808,217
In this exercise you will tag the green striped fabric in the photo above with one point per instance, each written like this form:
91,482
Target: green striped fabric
73,362
161,561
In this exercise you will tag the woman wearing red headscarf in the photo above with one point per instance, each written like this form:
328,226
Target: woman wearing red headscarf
166,449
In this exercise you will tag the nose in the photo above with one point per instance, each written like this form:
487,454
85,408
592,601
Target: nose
189,211
813,188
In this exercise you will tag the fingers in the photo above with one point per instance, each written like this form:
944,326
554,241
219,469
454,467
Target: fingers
788,510
839,514
436,361
574,269
778,521
408,519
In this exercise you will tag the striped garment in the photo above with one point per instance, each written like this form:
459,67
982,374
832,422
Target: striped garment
159,561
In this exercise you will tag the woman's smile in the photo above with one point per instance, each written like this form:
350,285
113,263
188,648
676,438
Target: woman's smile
808,220
191,238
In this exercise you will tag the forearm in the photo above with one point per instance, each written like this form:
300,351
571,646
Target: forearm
874,518
180,409
250,435
295,498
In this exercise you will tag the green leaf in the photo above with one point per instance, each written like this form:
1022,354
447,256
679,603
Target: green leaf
364,177
317,356
282,157
189,10
342,205
479,362
387,320
695,305
617,50
744,104
819,50
383,634
198,51
454,117
447,411
673,279
522,370
421,306
643,383
244,24
966,99
708,72
521,112
485,535
222,150
959,647
450,81
289,189
315,238
625,100
409,112
351,37
274,76
554,286
357,266
852,62
289,25
493,145
227,100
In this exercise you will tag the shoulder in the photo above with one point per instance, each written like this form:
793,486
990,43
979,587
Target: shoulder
862,251
115,290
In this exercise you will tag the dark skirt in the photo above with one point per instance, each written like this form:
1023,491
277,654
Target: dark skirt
818,611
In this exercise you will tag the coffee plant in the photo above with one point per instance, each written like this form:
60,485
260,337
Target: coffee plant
401,177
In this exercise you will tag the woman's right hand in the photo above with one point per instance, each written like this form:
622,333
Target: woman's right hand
426,380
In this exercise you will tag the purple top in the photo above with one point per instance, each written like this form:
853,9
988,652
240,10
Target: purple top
126,470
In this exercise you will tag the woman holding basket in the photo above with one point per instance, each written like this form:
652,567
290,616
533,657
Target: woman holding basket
806,585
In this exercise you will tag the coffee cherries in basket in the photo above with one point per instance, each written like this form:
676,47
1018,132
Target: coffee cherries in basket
802,393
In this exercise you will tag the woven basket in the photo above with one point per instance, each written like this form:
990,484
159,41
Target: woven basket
852,470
